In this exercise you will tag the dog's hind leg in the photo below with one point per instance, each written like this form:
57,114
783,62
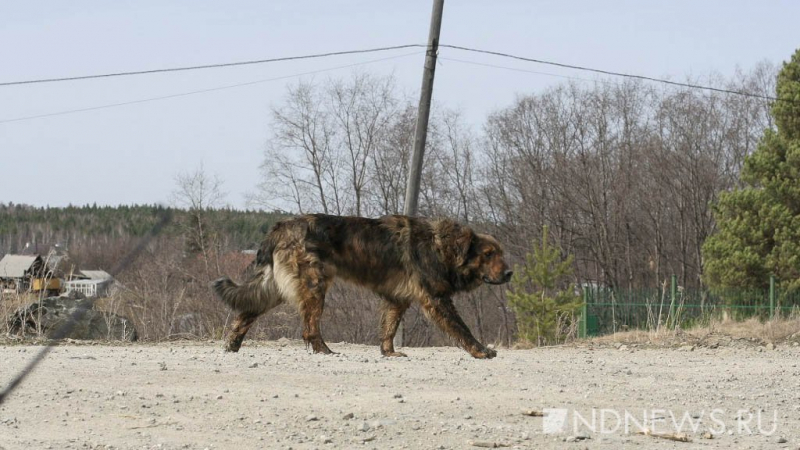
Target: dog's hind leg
312,287
390,319
250,300
311,308
241,324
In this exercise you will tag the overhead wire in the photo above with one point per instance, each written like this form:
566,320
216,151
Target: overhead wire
604,82
202,91
350,52
516,69
209,66
612,73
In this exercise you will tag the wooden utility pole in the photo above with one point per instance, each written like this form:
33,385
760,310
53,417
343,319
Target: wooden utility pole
421,132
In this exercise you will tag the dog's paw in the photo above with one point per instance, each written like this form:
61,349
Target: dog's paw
395,354
232,347
319,346
484,353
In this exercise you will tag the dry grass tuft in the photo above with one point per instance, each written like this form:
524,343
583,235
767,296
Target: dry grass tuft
773,331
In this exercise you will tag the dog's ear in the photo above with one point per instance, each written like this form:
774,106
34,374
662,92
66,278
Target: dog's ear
453,241
463,244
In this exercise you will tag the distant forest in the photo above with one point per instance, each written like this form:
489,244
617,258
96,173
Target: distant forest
76,229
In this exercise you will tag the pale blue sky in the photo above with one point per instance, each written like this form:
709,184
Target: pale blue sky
131,154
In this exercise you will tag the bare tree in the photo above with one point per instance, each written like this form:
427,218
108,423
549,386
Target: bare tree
300,164
390,163
339,147
197,192
363,109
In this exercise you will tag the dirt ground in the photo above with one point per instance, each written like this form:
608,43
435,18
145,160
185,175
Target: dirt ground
277,395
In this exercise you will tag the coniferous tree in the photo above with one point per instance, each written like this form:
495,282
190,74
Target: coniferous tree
543,300
759,224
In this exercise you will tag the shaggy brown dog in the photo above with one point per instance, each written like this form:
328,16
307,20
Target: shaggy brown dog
402,259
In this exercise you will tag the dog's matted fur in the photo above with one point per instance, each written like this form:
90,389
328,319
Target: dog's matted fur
402,259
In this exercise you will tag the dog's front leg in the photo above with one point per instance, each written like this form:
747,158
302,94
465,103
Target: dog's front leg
444,314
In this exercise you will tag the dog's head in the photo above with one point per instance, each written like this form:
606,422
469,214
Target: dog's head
482,258
475,258
488,259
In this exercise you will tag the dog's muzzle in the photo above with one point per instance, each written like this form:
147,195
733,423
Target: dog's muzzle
506,278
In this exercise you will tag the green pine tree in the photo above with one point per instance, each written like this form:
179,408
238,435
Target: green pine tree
543,300
759,224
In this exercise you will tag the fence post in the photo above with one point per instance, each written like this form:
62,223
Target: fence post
584,313
771,296
673,295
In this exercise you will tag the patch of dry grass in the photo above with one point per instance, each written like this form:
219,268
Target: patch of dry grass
9,304
774,331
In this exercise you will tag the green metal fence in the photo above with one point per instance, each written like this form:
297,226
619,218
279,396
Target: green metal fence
610,310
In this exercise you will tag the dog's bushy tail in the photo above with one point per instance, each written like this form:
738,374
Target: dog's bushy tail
256,296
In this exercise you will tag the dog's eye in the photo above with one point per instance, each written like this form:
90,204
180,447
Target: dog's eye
488,253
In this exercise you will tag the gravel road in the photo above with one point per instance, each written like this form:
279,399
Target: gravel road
277,395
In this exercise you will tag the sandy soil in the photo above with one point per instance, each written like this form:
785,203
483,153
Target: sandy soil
277,395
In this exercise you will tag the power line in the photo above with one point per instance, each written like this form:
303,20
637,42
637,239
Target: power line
210,66
381,49
201,91
616,74
516,69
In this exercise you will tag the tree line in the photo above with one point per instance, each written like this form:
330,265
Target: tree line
95,234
